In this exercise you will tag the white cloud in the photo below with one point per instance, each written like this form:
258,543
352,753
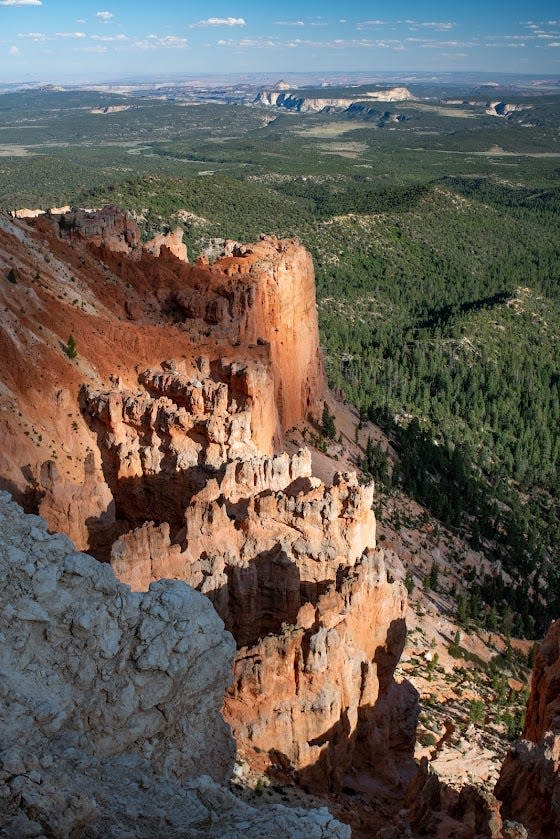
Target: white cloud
306,43
289,23
218,21
431,44
109,38
21,3
438,26
69,34
33,36
13,51
365,24
248,43
156,42
104,16
96,50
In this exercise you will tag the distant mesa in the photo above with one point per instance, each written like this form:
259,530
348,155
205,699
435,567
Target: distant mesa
504,109
110,109
278,97
394,94
281,85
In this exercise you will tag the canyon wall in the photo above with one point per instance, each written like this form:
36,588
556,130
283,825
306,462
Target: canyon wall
158,445
249,319
291,567
282,98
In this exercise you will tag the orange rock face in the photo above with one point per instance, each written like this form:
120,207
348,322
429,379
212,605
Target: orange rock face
529,784
173,241
250,319
319,696
283,313
319,629
543,708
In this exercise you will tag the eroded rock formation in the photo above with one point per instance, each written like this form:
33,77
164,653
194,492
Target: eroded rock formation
108,227
163,437
172,240
529,784
319,695
250,317
110,704
319,629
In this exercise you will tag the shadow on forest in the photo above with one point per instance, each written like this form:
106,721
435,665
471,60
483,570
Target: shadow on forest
438,317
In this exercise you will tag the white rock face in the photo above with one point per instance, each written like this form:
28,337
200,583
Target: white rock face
110,721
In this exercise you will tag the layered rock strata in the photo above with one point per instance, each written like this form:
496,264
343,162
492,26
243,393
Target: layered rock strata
250,317
110,704
318,697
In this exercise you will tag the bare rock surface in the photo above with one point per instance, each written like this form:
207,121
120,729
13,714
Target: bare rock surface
320,697
109,704
529,784
110,227
172,240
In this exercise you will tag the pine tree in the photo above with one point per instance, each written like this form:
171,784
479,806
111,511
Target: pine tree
70,349
433,577
327,423
409,582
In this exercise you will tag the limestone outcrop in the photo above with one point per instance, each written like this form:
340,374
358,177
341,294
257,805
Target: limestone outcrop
160,443
109,227
543,708
123,668
529,784
283,314
110,703
280,97
318,696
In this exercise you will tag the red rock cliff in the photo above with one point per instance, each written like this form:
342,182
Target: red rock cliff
249,319
283,312
529,784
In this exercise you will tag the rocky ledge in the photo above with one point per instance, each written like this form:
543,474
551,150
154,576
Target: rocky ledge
110,704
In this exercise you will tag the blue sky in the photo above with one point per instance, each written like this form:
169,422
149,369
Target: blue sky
61,40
